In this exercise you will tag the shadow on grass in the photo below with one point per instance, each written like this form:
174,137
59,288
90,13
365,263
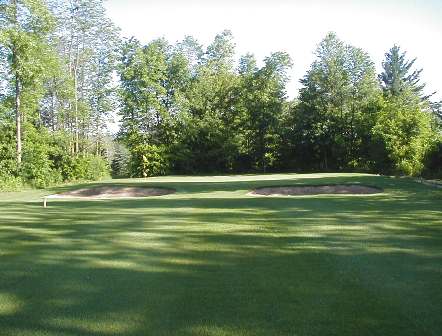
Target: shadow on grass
223,266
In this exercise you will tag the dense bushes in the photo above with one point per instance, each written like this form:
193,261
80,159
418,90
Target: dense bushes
10,182
433,161
90,167
8,164
148,160
120,161
47,160
37,169
404,132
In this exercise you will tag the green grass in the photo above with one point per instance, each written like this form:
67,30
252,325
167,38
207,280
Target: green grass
211,260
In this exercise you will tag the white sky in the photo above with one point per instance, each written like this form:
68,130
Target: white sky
296,26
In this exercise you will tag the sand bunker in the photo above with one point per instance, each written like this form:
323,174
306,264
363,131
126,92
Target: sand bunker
317,190
114,192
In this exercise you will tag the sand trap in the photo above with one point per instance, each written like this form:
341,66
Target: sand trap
114,192
348,189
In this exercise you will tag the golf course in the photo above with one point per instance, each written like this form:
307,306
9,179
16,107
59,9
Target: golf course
214,259
220,168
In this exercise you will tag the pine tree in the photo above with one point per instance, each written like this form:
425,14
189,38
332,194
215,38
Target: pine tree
399,75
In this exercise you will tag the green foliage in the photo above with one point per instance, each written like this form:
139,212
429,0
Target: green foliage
262,100
208,117
90,167
8,165
405,131
120,161
398,75
338,102
10,182
60,154
433,161
57,60
144,74
27,24
46,160
436,108
37,168
219,55
148,160
186,109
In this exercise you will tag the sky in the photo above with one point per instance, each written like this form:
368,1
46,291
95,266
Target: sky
297,26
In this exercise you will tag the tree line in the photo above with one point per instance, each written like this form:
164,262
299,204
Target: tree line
58,58
189,109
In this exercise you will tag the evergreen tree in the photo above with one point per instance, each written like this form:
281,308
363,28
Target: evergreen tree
399,75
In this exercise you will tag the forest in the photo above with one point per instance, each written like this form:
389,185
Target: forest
67,74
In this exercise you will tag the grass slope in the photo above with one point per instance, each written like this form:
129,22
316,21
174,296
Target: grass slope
211,260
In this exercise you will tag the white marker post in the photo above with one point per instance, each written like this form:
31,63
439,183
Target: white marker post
44,202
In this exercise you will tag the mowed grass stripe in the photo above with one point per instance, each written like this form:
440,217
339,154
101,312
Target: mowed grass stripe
211,260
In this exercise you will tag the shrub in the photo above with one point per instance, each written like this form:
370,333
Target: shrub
120,162
61,156
46,160
89,167
148,160
8,164
404,131
433,162
72,168
10,182
37,168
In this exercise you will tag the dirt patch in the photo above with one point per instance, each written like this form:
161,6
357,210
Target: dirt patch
114,192
342,189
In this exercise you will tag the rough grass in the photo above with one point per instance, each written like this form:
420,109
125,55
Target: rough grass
210,260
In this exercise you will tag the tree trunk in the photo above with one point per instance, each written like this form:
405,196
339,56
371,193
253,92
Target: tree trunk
18,116
77,126
97,144
325,160
18,120
262,150
77,137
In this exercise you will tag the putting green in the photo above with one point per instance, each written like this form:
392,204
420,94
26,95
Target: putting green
212,260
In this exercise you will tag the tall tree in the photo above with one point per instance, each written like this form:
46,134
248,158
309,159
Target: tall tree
403,135
338,97
88,42
398,74
24,36
219,54
193,51
405,126
143,77
209,141
263,95
436,107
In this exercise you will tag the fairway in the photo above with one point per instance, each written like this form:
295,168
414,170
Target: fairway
213,260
